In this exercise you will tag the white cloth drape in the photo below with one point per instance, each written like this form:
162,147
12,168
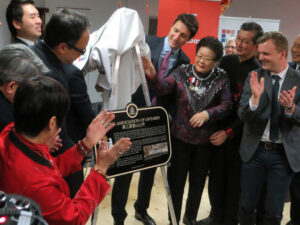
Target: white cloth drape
115,50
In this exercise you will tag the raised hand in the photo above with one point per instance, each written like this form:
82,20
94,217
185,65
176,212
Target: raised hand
148,68
198,119
106,157
286,99
257,87
98,128
54,142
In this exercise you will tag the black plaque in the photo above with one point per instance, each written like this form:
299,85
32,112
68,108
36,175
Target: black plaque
149,131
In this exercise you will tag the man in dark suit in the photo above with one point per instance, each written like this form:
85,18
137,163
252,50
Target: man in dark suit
295,185
183,29
66,36
269,108
17,63
23,21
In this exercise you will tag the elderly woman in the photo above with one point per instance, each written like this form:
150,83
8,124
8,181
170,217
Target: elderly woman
202,99
27,168
230,47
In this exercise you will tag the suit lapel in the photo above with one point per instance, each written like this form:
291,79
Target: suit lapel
289,81
155,54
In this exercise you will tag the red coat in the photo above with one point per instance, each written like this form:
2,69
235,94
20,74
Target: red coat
24,175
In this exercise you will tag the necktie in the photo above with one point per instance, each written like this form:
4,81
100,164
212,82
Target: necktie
164,65
274,124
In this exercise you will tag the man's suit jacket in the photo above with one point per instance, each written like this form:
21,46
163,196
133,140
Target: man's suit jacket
18,41
156,45
81,113
256,121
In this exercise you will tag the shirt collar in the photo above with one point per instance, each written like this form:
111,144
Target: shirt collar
26,41
282,74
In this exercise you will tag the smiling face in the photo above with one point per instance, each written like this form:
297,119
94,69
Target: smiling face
295,50
30,27
245,48
205,60
272,59
178,35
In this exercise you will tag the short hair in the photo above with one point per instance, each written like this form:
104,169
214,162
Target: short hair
279,40
255,27
190,21
65,26
231,39
18,62
14,11
213,44
36,101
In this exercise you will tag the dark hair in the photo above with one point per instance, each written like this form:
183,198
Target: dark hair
213,44
14,11
36,101
255,27
279,40
65,26
18,62
190,21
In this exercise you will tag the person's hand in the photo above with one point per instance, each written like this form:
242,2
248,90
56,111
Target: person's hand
148,68
198,119
98,128
107,157
286,99
218,138
257,88
54,142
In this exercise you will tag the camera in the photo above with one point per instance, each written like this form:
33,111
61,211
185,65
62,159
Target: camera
17,209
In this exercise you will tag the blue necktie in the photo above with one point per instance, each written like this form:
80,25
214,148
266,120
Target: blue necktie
274,123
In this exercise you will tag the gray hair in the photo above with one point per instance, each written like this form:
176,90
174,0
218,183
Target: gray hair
18,62
230,40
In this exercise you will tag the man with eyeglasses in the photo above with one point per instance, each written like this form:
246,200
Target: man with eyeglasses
224,177
66,37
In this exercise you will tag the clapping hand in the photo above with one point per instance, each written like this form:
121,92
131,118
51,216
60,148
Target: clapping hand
257,87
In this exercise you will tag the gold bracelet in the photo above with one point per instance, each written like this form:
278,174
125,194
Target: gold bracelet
101,172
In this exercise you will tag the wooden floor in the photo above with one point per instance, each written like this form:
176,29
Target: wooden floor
158,205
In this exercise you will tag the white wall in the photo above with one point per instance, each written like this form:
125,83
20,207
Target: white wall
287,11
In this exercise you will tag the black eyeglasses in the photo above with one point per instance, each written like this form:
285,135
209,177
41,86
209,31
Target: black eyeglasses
81,51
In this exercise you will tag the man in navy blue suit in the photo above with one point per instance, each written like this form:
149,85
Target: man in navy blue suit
183,29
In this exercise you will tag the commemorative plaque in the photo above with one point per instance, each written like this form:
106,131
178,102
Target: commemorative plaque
149,131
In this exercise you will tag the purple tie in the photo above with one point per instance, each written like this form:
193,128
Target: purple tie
164,65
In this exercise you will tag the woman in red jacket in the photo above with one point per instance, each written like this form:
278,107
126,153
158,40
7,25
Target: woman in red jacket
27,168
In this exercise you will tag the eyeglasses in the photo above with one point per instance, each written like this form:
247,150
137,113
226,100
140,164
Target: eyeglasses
204,58
246,42
81,51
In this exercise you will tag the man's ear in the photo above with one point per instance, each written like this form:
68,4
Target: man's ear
11,87
61,48
17,24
